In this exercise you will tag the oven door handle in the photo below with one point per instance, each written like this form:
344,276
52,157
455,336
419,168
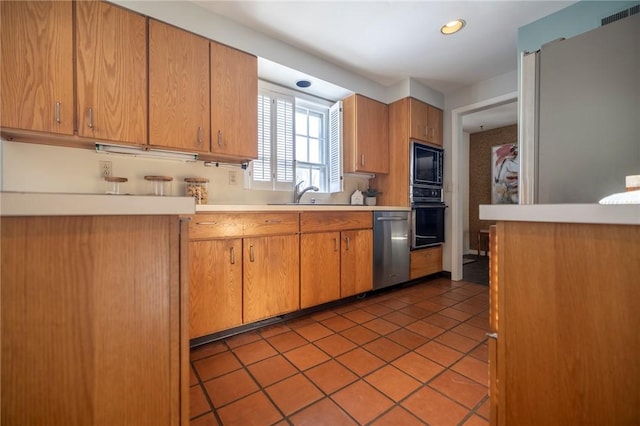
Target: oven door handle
427,237
430,206
412,229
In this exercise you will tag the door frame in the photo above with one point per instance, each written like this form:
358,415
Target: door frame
457,228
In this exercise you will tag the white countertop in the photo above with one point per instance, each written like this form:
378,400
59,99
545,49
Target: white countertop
61,204
55,204
291,208
622,214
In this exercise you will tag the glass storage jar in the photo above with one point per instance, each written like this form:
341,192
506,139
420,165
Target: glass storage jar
113,184
197,188
159,185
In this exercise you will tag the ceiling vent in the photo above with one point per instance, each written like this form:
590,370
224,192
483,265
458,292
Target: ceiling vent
633,10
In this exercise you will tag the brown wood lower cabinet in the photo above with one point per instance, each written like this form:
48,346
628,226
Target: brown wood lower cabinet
566,316
215,296
356,262
271,284
338,263
425,262
244,267
319,268
92,330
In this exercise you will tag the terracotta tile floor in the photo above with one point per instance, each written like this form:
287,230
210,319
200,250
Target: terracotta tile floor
410,356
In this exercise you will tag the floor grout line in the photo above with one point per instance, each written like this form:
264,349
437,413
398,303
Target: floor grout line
394,301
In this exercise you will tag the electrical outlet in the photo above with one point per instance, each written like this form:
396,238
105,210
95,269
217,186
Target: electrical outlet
233,177
106,168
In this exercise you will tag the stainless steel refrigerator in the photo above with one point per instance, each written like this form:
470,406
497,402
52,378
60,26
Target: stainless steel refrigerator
580,115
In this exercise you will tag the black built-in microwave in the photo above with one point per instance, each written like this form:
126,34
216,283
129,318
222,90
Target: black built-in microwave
426,165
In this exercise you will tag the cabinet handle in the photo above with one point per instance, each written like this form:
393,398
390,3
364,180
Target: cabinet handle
58,112
335,245
200,135
206,223
233,255
251,254
362,160
492,335
90,123
220,138
273,221
347,240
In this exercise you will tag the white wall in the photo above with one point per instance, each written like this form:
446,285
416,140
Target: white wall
45,168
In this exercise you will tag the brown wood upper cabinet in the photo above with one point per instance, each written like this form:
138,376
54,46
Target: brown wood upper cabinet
37,66
234,103
426,122
111,71
366,135
179,110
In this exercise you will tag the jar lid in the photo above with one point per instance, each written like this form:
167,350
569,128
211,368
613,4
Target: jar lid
160,178
115,179
196,180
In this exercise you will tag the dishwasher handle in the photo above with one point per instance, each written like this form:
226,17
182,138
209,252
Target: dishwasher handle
392,218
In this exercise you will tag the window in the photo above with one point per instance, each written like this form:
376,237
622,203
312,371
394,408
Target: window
298,140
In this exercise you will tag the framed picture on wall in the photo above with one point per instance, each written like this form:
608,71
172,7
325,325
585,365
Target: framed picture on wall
504,176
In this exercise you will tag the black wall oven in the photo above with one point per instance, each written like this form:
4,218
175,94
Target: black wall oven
427,206
427,224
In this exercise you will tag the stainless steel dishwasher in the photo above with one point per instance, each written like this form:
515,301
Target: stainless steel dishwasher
390,248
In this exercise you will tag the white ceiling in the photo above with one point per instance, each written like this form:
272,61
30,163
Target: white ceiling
390,41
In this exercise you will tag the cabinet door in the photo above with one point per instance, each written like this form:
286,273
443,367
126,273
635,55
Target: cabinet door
425,262
356,262
234,102
395,185
215,285
366,135
179,111
419,118
319,268
111,73
37,65
434,126
271,284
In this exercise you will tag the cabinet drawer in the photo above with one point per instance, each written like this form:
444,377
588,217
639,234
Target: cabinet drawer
334,221
425,262
256,224
215,225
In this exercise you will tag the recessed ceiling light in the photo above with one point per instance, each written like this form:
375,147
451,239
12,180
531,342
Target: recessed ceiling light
452,27
303,83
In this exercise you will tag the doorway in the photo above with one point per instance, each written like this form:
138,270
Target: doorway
459,167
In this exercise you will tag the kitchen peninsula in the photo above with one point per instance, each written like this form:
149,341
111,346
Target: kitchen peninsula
96,298
564,314
94,306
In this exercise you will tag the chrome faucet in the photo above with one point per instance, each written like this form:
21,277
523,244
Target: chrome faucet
297,193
